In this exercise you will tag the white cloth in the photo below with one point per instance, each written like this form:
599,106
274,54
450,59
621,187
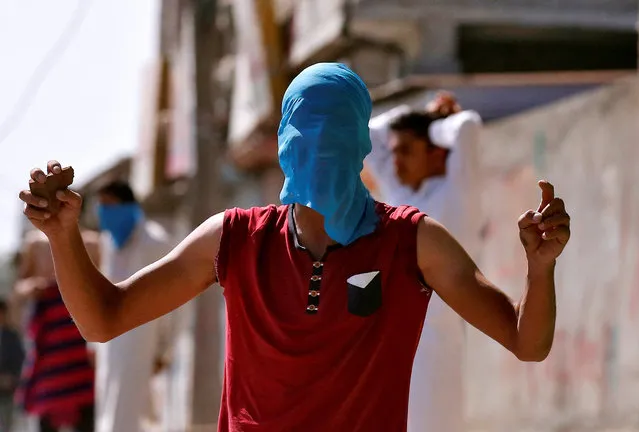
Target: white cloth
436,395
124,365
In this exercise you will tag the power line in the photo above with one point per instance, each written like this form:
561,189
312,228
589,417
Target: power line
17,113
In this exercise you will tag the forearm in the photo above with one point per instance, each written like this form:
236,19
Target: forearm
87,294
537,313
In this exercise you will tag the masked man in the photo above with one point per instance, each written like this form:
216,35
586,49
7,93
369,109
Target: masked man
126,365
326,294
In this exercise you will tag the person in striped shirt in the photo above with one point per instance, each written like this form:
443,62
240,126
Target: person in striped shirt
57,382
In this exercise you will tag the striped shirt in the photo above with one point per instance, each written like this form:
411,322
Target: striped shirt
58,379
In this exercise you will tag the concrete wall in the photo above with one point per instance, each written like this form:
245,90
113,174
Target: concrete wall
588,146
427,30
616,13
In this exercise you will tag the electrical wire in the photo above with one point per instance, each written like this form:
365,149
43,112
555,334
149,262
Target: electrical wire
40,74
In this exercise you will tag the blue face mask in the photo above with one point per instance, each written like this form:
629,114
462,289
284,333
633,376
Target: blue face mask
322,141
119,220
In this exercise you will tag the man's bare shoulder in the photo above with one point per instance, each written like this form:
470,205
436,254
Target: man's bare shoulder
428,229
432,237
203,240
437,248
431,229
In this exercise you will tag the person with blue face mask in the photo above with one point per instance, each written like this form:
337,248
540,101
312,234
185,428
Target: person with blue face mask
118,213
326,294
126,366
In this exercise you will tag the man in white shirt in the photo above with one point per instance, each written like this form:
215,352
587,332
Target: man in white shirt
429,160
126,365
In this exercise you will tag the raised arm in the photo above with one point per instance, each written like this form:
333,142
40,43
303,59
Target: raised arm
456,131
380,160
526,328
103,310
460,133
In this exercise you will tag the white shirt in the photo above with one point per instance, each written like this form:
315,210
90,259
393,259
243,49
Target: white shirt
124,365
436,395
454,199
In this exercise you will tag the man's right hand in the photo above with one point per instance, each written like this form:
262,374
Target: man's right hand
36,208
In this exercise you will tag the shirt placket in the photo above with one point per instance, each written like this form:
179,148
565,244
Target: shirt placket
315,284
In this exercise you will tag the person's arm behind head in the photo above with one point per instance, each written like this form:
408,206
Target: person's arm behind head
380,159
462,211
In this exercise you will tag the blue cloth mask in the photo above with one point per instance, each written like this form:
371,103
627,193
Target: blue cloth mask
322,141
119,220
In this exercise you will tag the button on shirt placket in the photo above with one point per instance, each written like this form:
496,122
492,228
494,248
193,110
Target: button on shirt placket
312,305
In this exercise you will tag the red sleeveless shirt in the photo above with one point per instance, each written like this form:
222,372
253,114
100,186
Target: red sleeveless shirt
322,345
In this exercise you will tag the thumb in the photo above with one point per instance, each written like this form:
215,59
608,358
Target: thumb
69,197
547,193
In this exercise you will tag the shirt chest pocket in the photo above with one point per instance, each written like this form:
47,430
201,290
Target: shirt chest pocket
364,293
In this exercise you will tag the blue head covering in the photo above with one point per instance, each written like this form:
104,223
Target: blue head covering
119,220
322,141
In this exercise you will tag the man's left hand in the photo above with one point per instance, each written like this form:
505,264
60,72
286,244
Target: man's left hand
544,233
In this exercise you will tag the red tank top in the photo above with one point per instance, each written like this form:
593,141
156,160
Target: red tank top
319,345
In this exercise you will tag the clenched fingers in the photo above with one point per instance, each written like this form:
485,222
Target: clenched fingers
555,221
556,206
69,197
561,234
528,219
35,213
54,167
33,200
38,175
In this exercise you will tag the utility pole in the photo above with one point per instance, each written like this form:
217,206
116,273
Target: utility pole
207,197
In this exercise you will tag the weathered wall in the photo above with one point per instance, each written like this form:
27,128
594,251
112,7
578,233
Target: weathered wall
588,146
